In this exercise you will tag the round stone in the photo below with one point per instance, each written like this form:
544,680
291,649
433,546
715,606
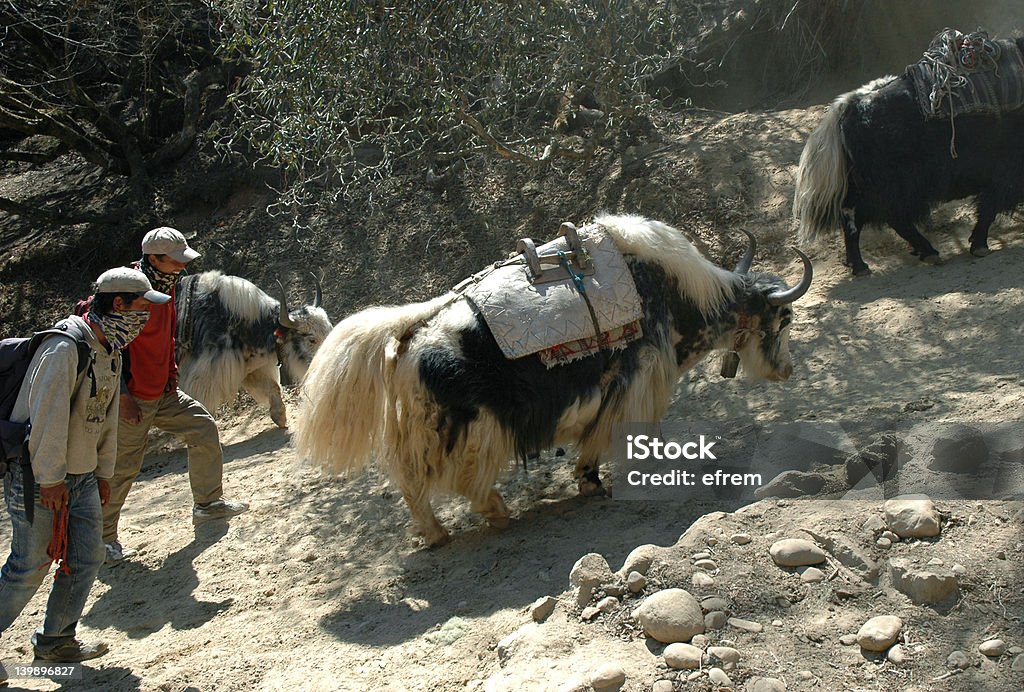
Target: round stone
670,616
796,552
879,633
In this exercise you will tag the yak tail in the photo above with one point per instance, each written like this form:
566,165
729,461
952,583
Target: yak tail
346,393
821,177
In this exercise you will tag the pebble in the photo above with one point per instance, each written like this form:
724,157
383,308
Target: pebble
766,685
912,516
1014,650
718,677
959,571
848,639
663,686
936,562
700,640
812,575
683,656
696,557
702,579
706,565
993,647
609,676
874,524
543,607
958,660
805,675
640,559
745,625
796,552
740,538
714,603
715,620
712,542
589,613
1018,664
879,633
891,536
896,655
608,604
729,656
777,623
636,582
670,616
589,572
883,543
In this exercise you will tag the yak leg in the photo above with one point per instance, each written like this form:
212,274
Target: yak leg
588,480
417,497
979,236
265,386
851,238
919,245
493,509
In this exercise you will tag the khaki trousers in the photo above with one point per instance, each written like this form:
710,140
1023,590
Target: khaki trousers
177,413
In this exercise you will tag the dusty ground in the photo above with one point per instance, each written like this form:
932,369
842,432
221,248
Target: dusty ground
320,586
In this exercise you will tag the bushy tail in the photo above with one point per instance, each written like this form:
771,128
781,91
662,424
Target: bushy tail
821,177
344,400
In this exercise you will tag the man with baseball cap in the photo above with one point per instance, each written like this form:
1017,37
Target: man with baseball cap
150,398
72,451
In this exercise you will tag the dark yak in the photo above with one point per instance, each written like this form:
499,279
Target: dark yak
875,159
426,390
232,335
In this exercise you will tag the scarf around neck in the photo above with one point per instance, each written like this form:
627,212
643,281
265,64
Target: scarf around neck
161,281
120,327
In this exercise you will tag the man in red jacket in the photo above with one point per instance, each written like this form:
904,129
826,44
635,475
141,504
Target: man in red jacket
150,397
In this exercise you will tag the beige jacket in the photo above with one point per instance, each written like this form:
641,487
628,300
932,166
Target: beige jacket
72,431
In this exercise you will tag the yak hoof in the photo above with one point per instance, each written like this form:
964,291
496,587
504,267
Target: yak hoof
981,251
933,260
862,271
498,522
444,538
589,488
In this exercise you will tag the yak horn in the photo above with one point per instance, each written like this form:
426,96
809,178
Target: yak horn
797,292
284,318
319,291
748,257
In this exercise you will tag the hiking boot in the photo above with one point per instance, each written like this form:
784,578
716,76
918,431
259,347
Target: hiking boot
117,552
72,651
218,509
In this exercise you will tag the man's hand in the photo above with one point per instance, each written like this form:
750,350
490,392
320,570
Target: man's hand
130,411
54,497
104,485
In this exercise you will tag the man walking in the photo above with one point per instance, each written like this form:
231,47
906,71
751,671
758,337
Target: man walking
72,449
150,397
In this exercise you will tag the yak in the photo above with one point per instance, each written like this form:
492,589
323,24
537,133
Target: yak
232,335
876,159
425,389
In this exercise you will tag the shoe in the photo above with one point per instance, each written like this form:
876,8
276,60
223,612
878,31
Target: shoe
218,509
72,651
117,552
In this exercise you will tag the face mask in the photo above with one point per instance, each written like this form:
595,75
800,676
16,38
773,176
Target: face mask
120,327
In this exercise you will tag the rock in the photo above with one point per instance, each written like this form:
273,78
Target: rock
912,516
796,552
728,656
715,620
959,449
663,686
765,685
640,559
608,604
636,582
543,607
670,616
805,675
700,640
589,572
874,524
777,623
683,656
936,562
714,603
702,579
697,557
993,647
745,625
740,538
848,639
718,677
851,555
1014,650
706,565
958,660
922,585
712,541
609,676
883,543
791,484
1018,664
589,613
891,536
812,575
879,633
896,655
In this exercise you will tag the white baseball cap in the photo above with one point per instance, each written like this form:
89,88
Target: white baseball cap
128,280
168,241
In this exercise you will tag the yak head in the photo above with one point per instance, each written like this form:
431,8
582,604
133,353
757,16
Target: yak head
762,316
300,333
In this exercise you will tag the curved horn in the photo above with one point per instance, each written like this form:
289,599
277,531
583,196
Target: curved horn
319,291
795,293
748,257
283,317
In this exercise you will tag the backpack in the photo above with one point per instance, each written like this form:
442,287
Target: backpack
15,356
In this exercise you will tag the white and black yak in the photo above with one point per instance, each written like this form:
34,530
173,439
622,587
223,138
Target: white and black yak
232,336
425,389
876,159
